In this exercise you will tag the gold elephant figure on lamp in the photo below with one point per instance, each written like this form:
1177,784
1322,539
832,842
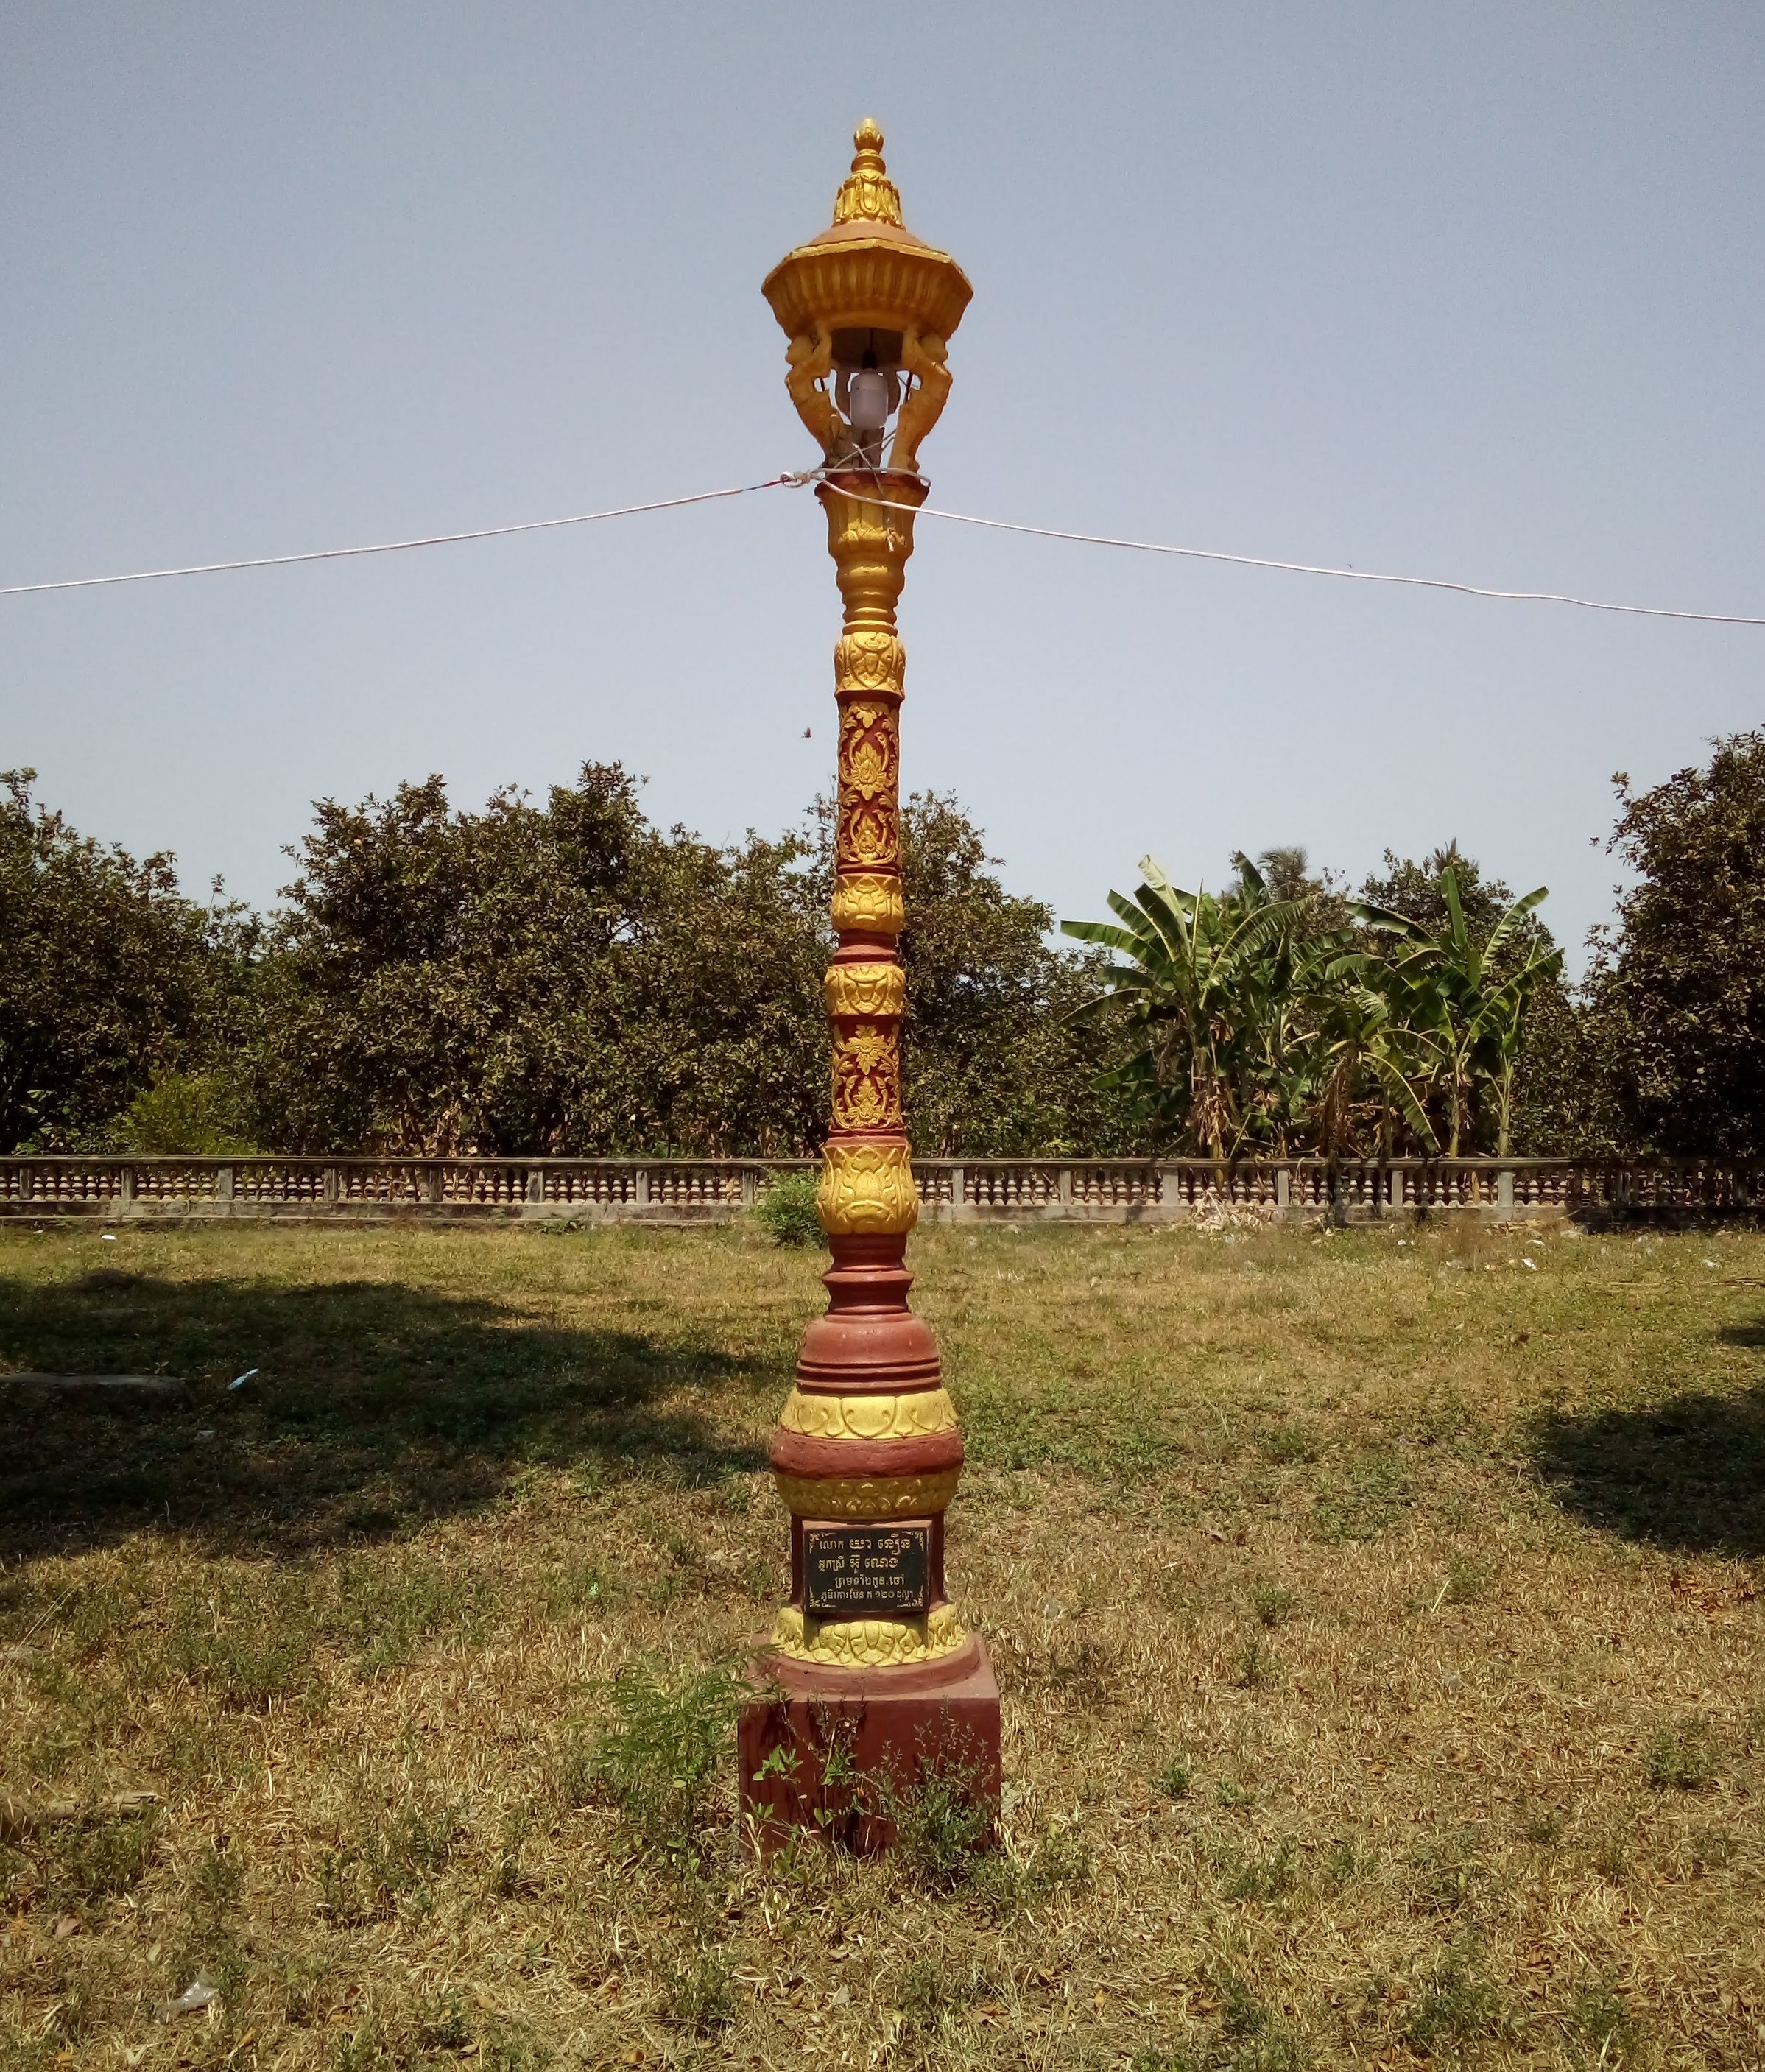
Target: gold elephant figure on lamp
923,355
810,357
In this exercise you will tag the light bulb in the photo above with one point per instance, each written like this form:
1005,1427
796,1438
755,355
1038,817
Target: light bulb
869,404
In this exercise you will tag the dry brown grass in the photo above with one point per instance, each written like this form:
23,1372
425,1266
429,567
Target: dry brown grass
1379,1630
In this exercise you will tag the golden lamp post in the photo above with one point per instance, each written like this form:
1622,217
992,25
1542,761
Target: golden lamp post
870,1677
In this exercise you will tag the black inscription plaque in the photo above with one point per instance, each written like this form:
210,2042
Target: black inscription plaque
851,1570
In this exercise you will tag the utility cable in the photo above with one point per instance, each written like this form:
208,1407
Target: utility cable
925,511
1316,569
402,546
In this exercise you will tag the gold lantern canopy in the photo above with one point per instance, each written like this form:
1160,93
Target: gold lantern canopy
868,296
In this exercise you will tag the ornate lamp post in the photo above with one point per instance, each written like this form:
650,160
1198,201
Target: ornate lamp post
871,1669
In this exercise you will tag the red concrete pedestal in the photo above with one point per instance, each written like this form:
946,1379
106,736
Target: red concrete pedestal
828,1750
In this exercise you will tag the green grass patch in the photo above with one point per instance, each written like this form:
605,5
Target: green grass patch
1381,1633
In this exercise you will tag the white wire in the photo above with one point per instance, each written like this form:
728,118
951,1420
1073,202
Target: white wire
400,546
928,510
1315,569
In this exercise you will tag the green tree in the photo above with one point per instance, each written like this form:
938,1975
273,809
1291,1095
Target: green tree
558,979
992,1068
1286,873
1677,990
565,978
1416,890
203,1114
109,975
1567,1081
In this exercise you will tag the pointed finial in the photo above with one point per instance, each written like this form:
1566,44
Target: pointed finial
869,194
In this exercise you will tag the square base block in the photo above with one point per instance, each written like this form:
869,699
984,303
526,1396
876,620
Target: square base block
819,1750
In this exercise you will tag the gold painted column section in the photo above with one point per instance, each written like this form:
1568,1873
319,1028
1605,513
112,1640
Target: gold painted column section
867,1184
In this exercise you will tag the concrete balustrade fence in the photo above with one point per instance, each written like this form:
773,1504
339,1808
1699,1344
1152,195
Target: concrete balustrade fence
962,1190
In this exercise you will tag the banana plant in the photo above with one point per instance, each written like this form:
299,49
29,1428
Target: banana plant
1359,1040
1500,1021
1197,976
1452,994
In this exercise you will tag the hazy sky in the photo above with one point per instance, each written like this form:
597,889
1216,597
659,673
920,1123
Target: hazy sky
1472,291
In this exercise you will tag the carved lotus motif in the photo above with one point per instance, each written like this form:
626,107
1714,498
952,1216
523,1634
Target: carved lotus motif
869,992
868,1644
867,770
868,902
868,1496
868,661
915,1415
867,1187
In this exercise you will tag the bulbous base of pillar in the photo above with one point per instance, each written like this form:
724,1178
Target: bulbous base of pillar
868,1341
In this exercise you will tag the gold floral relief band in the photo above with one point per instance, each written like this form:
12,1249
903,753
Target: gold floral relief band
868,660
866,1188
868,1644
868,1496
868,901
872,991
869,750
912,1416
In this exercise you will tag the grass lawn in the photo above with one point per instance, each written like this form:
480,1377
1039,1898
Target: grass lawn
1380,1627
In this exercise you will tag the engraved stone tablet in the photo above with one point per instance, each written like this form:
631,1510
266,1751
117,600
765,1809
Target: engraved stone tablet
859,1571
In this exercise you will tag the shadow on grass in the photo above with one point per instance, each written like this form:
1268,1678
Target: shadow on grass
378,1405
1686,1473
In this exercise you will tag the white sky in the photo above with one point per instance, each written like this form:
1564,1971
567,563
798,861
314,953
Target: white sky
1469,291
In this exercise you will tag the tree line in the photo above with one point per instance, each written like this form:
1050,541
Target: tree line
562,976
556,977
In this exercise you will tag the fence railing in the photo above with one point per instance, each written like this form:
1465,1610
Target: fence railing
684,1190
